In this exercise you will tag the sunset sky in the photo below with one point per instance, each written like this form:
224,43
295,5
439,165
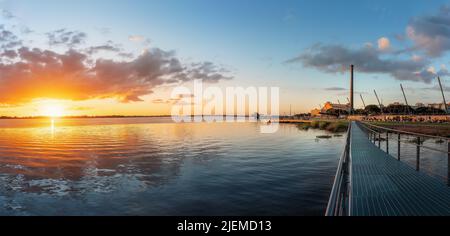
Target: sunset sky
103,57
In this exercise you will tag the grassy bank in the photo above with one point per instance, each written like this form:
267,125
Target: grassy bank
438,129
331,126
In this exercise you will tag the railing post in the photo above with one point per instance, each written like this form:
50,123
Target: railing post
379,140
387,142
398,147
418,154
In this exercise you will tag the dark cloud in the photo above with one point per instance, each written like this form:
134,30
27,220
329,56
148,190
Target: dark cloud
335,89
66,38
80,72
103,30
175,100
149,70
6,35
337,58
25,30
206,71
8,39
7,15
11,54
106,47
427,37
126,54
431,33
41,73
12,44
160,101
188,95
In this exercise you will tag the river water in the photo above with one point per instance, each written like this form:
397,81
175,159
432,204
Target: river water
152,166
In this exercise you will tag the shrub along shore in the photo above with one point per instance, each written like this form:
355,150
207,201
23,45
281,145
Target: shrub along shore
441,129
337,126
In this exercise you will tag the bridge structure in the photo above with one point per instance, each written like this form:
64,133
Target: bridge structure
371,182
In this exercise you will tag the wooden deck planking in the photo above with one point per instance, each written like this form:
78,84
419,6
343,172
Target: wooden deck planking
383,186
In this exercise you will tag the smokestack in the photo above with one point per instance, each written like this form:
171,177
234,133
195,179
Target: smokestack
351,89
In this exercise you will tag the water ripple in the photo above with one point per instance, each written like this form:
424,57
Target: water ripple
161,168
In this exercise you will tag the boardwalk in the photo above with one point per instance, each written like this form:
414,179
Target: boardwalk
382,186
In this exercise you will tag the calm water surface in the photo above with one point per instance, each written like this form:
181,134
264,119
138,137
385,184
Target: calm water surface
150,166
432,162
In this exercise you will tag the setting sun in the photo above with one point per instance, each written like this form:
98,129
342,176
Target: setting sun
52,110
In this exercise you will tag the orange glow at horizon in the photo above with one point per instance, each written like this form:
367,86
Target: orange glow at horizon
55,108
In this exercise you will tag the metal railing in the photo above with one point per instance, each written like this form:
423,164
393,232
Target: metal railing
338,204
374,134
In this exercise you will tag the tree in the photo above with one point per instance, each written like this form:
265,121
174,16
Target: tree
429,111
397,109
372,109
360,112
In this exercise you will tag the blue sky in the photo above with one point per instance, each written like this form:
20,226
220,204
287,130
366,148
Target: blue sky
253,39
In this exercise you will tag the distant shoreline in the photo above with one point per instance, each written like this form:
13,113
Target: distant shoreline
88,117
77,117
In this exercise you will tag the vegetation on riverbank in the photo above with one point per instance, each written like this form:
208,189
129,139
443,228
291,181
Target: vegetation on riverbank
338,126
436,129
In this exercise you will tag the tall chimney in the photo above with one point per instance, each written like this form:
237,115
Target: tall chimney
351,89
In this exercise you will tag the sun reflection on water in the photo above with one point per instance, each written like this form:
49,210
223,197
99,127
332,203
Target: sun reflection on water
52,126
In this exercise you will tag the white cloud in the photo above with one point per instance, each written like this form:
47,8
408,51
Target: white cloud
336,58
136,38
431,33
139,39
384,44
